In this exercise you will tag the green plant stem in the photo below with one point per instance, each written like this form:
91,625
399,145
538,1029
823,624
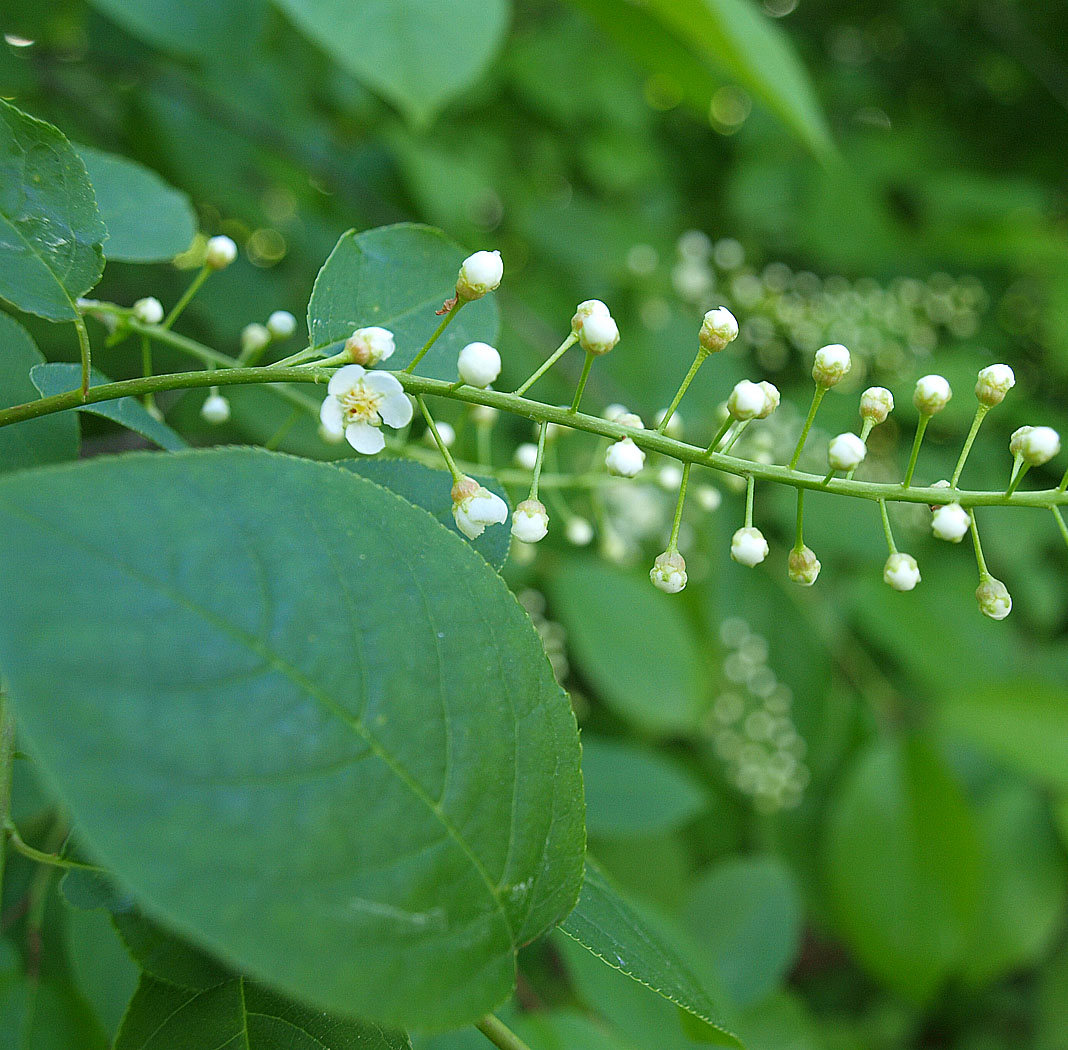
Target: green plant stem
194,286
445,322
86,351
483,444
799,541
146,368
280,434
586,366
40,856
673,543
921,428
886,527
499,1034
699,360
984,573
739,431
724,427
1060,522
309,353
750,488
977,422
538,462
865,430
1017,476
1063,486
551,360
457,477
7,763
817,397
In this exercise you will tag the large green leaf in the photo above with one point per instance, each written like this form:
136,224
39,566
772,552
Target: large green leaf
605,924
34,442
904,866
100,965
50,228
60,377
239,1015
417,54
396,277
309,728
147,220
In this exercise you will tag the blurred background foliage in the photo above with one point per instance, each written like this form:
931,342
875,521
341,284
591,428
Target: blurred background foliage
851,805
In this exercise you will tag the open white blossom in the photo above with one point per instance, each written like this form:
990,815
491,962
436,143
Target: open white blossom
584,311
474,507
845,452
993,383
748,547
479,274
993,598
215,410
530,521
831,364
358,402
624,458
901,572
802,566
219,253
951,522
281,324
668,573
876,403
932,394
478,365
148,310
746,400
598,334
1039,445
370,346
718,328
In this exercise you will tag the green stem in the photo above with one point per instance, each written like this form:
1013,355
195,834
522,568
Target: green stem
1017,476
587,365
799,542
699,360
547,363
1064,483
739,431
195,285
309,353
483,444
750,487
921,427
538,461
457,477
41,857
7,763
977,422
445,322
1060,522
817,397
886,527
673,543
146,368
865,430
983,571
724,427
86,351
280,434
499,1034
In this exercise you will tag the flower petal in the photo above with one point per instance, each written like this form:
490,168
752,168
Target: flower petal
395,409
332,416
344,379
382,383
365,438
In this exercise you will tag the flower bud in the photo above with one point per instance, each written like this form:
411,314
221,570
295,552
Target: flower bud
479,364
943,484
445,431
530,522
614,412
624,458
718,328
876,403
526,455
669,477
709,498
1039,445
668,573
771,399
931,395
148,310
994,382
254,337
746,400
479,274
901,572
831,364
993,598
846,452
803,566
579,531
281,324
951,522
630,419
475,507
674,426
219,253
598,334
590,308
370,346
215,410
748,547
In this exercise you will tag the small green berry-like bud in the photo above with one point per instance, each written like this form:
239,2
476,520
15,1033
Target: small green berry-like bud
994,598
803,566
932,394
718,328
831,364
994,382
669,572
876,403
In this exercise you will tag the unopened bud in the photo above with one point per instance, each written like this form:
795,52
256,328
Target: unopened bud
446,432
901,572
624,458
803,566
993,598
1016,441
748,547
590,308
772,398
746,400
530,521
599,333
994,382
831,364
475,507
215,410
932,394
254,337
479,274
219,253
526,455
876,403
718,328
579,531
370,346
951,522
478,365
668,573
1039,445
148,310
845,452
943,484
281,324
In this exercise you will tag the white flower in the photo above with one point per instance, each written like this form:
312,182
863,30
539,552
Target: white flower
445,431
358,402
771,399
479,274
943,484
598,334
901,572
220,252
1039,445
479,364
802,566
624,458
669,572
748,547
846,452
718,328
746,400
674,426
526,455
994,598
876,403
254,337
215,410
530,521
148,310
590,308
831,364
578,531
993,383
951,522
331,437
281,324
932,394
709,498
370,346
475,507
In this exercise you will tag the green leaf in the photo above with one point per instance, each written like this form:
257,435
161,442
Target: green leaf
147,220
165,956
904,866
605,924
417,54
746,916
430,489
60,377
45,1015
239,1015
396,277
633,791
1024,723
50,229
100,966
757,53
34,442
284,682
647,668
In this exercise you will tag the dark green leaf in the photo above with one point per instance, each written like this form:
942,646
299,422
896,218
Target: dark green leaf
283,682
166,956
59,377
397,277
34,442
147,220
50,229
89,890
45,1015
100,966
